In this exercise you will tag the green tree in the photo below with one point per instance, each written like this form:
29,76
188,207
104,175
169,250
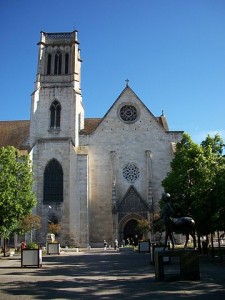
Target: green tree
213,202
54,228
29,223
219,195
143,227
196,182
207,200
16,195
181,181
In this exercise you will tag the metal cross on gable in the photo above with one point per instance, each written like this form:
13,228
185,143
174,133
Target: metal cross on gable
127,81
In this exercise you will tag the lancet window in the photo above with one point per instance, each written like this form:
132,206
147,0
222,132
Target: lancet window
58,63
67,63
53,182
49,64
55,115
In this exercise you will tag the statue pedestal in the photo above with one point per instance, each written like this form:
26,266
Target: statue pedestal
189,264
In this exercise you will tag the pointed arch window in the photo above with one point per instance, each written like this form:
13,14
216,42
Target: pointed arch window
55,114
58,63
67,63
49,62
53,182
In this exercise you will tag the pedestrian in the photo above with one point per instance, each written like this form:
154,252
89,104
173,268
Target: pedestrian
105,245
132,241
116,246
23,245
205,243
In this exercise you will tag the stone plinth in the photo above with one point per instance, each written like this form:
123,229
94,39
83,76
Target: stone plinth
189,264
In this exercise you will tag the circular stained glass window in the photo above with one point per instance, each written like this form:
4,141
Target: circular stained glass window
128,113
131,172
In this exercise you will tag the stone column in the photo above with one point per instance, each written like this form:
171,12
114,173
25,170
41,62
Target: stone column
149,179
114,196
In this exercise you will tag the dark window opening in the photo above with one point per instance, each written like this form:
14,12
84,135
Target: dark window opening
52,219
67,63
55,113
53,182
58,63
49,64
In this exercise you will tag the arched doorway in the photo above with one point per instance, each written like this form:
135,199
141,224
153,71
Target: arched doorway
130,233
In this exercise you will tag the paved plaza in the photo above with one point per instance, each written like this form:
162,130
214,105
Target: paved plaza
106,275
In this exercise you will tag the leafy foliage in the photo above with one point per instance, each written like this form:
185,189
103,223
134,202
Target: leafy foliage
54,228
197,182
16,195
28,223
32,245
142,226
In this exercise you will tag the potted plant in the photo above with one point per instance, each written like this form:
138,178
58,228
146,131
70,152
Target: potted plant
144,246
143,228
29,223
11,251
53,247
31,256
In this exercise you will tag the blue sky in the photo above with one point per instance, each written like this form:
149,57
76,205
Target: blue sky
172,52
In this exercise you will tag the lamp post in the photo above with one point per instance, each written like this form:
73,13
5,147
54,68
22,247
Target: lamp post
48,216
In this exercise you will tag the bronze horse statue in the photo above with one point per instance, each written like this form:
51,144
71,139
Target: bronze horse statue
183,225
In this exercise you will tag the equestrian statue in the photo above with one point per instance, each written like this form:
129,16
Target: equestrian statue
184,225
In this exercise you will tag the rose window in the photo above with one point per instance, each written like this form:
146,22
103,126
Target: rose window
128,113
131,172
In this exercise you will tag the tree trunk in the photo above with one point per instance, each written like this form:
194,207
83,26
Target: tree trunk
220,251
212,246
199,245
4,245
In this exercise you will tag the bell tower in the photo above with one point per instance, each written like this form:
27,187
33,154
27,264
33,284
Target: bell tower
56,108
59,59
57,116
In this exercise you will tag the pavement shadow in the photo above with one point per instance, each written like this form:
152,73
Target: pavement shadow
102,276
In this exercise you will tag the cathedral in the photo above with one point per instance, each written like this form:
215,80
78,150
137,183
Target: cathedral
96,177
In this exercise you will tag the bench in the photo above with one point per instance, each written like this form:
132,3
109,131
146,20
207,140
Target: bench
189,264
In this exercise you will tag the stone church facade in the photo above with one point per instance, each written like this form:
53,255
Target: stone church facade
96,177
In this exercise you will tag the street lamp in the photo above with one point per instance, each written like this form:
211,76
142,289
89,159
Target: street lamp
48,214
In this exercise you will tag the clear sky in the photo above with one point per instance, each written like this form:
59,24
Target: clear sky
172,52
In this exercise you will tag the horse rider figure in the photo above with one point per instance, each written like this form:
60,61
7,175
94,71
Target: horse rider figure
166,215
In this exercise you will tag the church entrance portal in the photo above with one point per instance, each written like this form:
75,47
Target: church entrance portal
130,233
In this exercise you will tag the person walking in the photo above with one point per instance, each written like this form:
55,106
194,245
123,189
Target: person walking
105,245
23,245
116,245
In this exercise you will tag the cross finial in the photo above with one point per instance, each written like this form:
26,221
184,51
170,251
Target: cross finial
127,81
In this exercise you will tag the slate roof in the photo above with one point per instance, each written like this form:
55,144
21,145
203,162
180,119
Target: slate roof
90,124
162,121
14,133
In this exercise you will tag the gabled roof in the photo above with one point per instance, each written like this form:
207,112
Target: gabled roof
162,121
123,92
14,133
132,202
90,124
